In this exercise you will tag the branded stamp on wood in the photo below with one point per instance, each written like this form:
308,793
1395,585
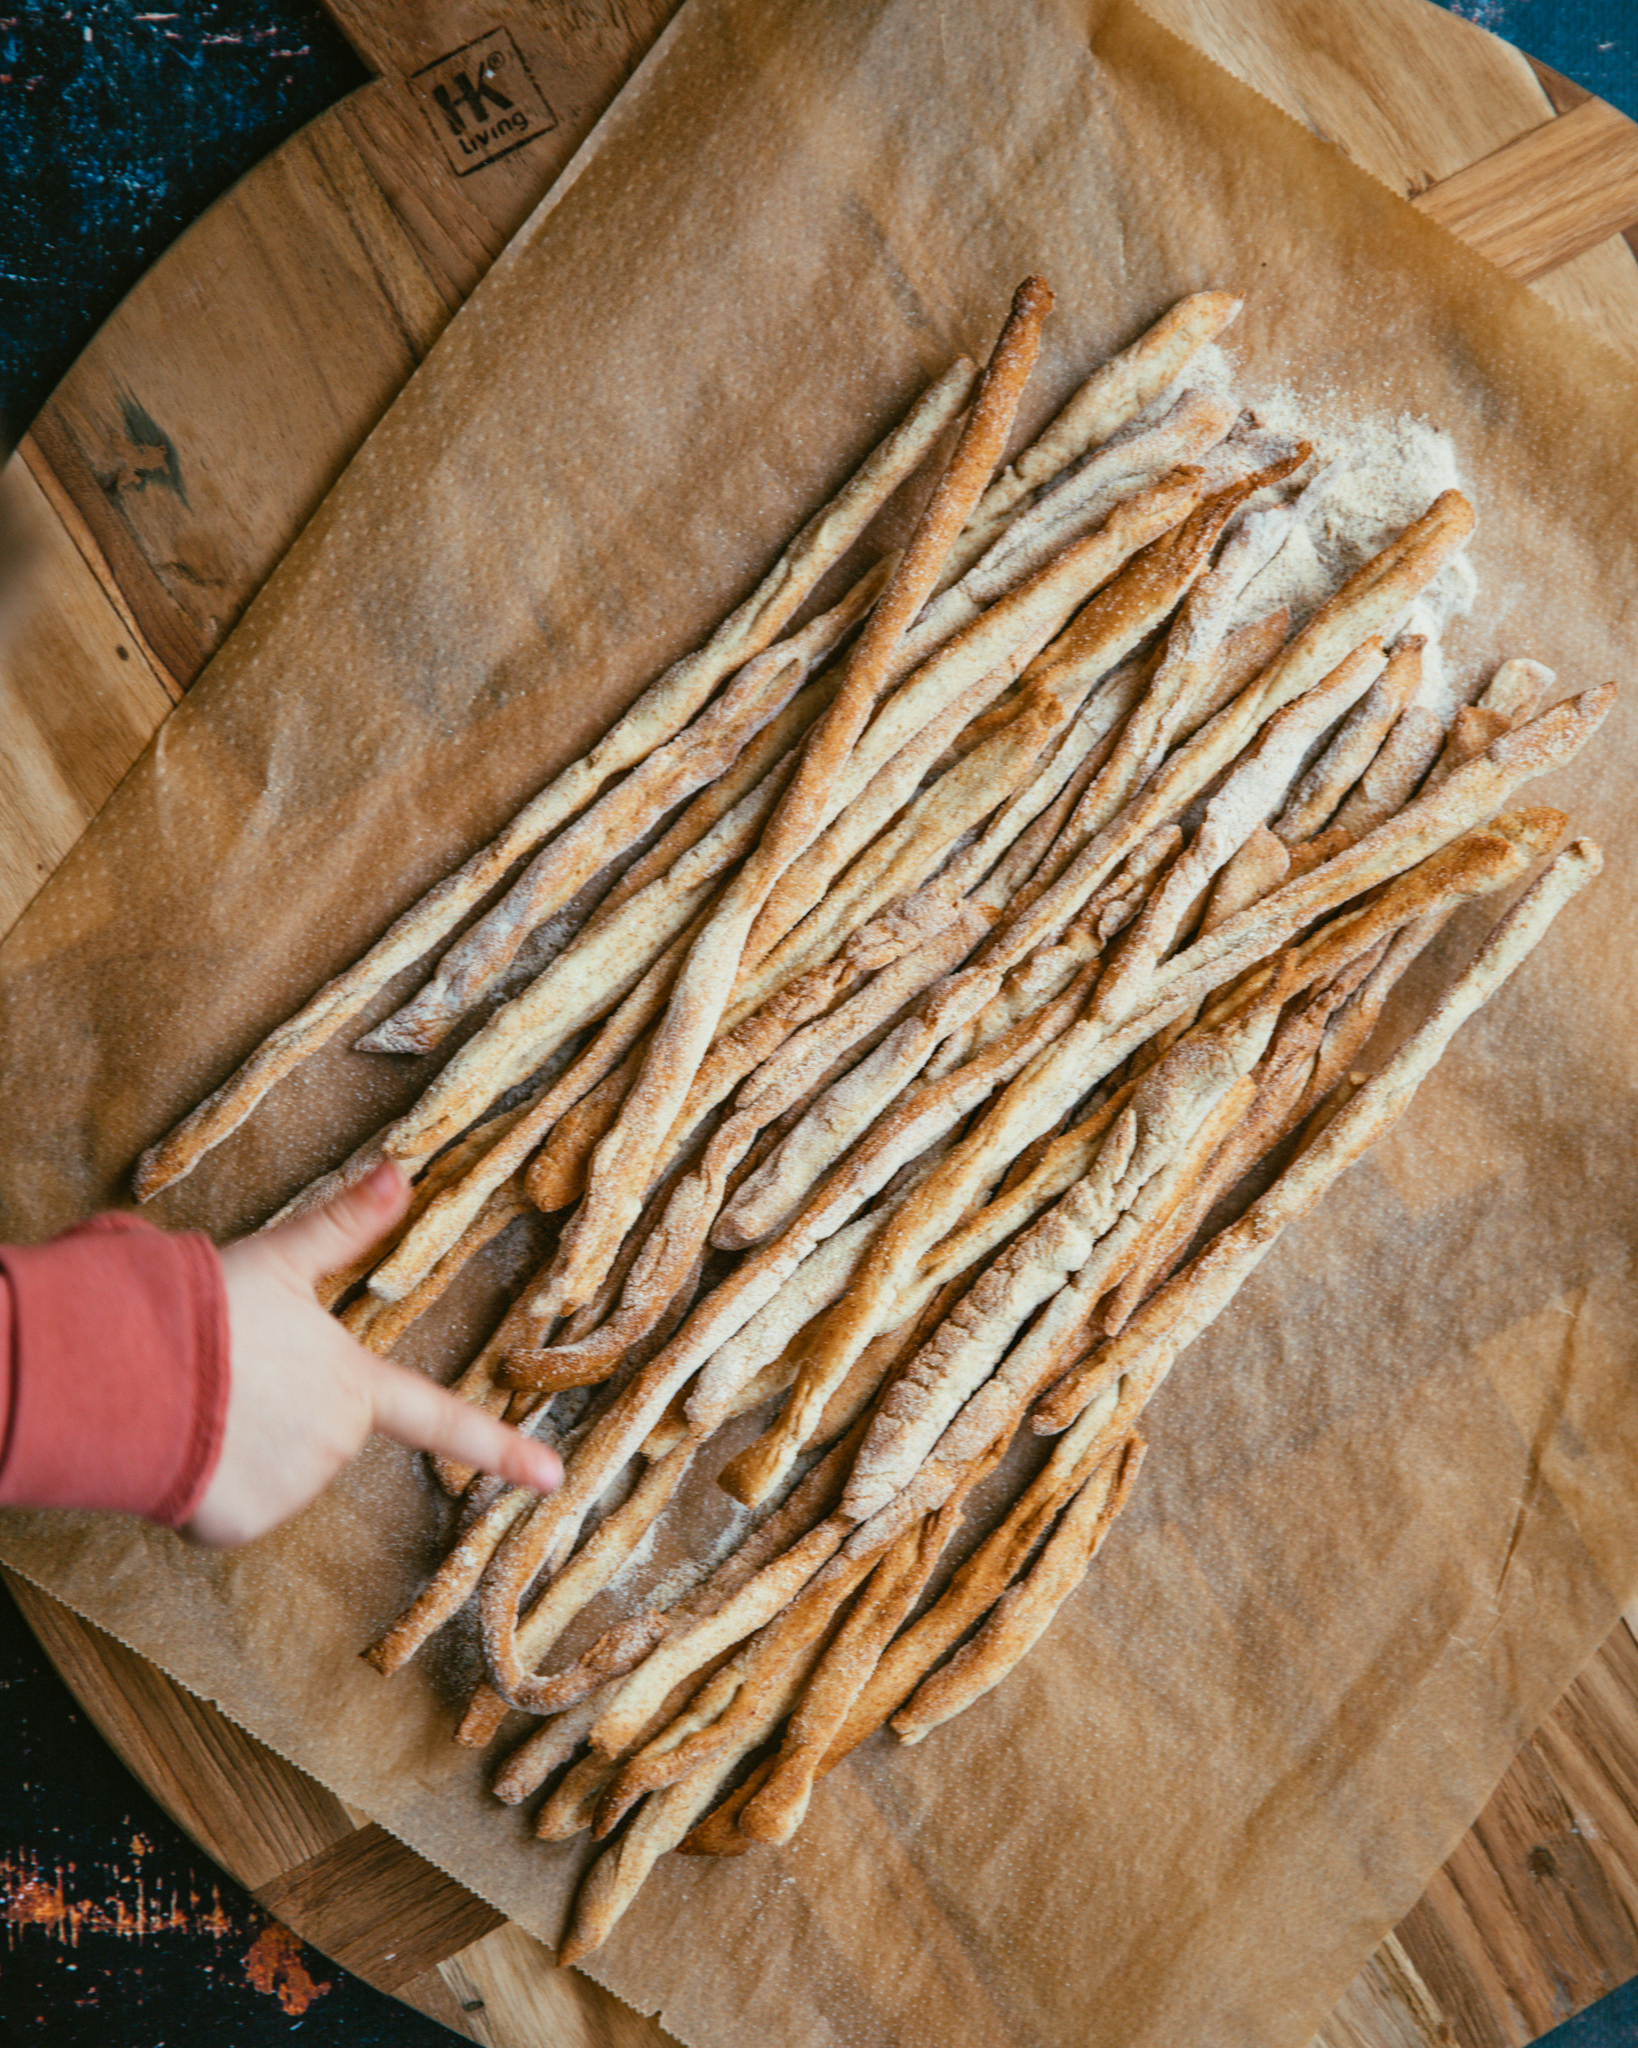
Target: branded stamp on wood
482,102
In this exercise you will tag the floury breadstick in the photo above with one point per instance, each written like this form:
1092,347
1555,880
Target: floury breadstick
621,1164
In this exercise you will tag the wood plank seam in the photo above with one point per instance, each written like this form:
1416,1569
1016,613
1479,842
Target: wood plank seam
375,1891
1543,199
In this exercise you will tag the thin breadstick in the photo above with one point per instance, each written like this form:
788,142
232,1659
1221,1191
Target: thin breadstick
1189,665
525,1769
1518,689
700,753
1023,1613
620,1167
557,1172
1139,1358
1146,1161
1188,433
1261,864
379,1324
1355,746
1111,396
1068,1064
767,1595
778,1808
533,1638
659,1824
1247,798
1471,731
1370,601
585,981
663,708
450,1587
716,1715
1398,770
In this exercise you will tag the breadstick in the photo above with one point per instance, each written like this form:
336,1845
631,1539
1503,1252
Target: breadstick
1518,689
697,755
1192,428
663,708
1471,731
1111,396
1261,864
1190,662
1370,601
620,1166
1246,800
525,1769
450,1587
1023,1613
788,1647
1149,1156
530,1641
1151,1342
1399,768
1355,746
660,1824
586,980
779,1807
378,1324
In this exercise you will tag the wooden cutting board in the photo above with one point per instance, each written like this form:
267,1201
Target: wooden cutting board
168,474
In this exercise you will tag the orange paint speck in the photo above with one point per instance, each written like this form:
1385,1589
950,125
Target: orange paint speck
274,1964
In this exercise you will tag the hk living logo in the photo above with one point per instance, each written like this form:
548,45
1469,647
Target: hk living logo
482,102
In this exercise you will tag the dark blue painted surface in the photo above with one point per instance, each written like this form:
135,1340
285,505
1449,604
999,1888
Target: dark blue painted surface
117,1931
119,124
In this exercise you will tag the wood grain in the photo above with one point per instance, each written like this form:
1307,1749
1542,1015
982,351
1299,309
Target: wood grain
1525,206
388,1914
167,476
191,442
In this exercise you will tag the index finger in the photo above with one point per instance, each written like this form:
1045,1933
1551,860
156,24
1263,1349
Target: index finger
416,1411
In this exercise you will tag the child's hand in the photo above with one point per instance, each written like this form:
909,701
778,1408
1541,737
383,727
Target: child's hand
304,1395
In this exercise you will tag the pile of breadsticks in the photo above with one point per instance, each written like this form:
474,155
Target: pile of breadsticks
893,1003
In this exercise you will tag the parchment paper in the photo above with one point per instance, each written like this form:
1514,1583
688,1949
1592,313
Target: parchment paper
1388,1510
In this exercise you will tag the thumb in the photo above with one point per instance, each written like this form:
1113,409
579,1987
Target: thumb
326,1239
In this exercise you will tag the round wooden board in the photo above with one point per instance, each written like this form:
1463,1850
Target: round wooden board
261,350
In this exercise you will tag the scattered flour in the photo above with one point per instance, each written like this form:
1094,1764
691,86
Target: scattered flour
1370,478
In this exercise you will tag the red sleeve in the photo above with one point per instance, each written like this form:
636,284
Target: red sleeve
114,1344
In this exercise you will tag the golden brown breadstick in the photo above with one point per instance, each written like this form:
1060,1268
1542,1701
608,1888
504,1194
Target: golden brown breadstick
1355,746
1471,731
379,1324
620,1167
583,982
1400,765
697,755
660,1824
1112,395
1022,1614
526,1768
778,1807
1518,689
1070,1062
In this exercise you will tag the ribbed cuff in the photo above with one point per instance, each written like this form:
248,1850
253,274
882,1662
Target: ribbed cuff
119,1370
